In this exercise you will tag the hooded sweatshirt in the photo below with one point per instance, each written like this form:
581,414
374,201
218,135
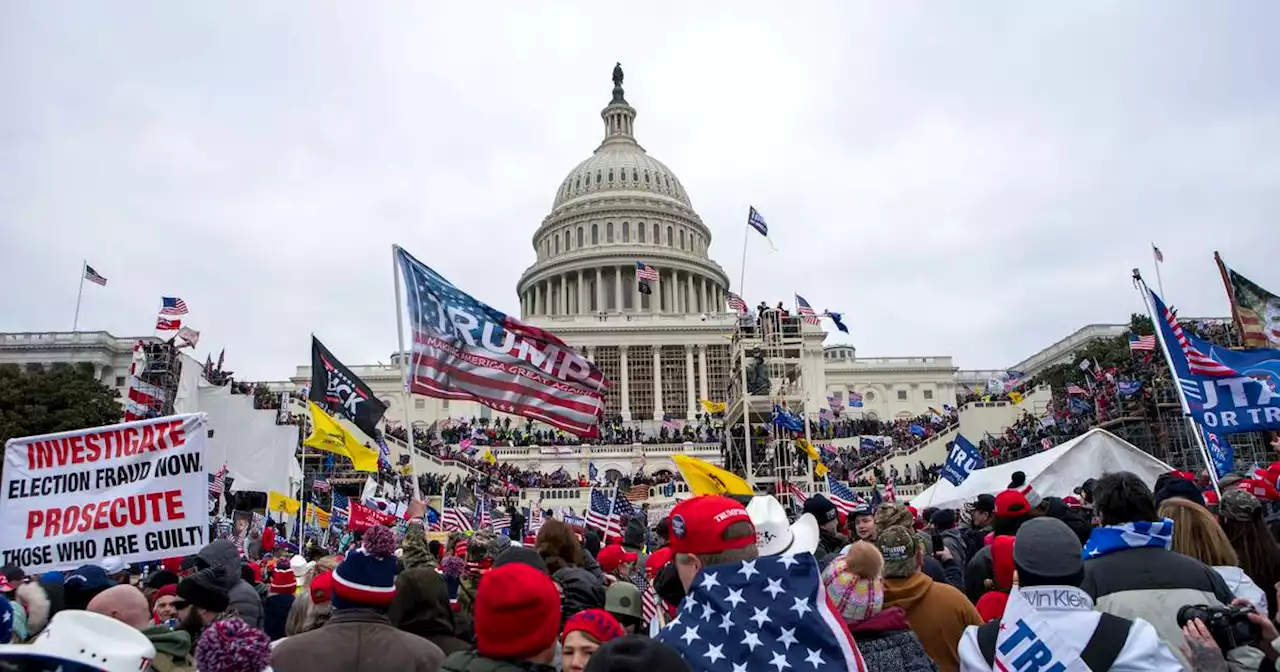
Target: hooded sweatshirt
582,590
244,599
938,614
173,649
421,607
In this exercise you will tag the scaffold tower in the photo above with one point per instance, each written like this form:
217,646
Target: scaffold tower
766,373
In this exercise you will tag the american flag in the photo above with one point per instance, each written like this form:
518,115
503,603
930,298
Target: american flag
218,482
164,324
890,495
1138,343
638,493
644,272
750,614
536,375
500,520
1076,389
735,302
455,519
320,485
800,495
535,519
756,221
600,515
622,507
1155,252
649,603
93,276
172,305
483,519
670,422
806,311
1198,362
845,499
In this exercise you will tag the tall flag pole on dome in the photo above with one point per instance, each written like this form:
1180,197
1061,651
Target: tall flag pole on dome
465,349
1253,308
86,273
754,221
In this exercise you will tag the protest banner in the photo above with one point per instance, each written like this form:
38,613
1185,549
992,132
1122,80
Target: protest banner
364,517
137,491
962,460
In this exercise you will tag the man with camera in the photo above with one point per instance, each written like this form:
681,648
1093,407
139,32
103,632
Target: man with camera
1048,570
1130,571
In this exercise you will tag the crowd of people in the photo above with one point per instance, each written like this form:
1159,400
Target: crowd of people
1119,574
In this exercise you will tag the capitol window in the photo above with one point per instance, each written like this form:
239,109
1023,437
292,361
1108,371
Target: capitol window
566,240
657,237
557,244
902,395
869,396
608,232
577,183
640,231
928,395
419,404
682,239
579,236
626,232
671,237
646,177
595,234
635,176
611,175
597,177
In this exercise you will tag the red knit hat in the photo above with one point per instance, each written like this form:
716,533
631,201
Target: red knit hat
1011,504
283,582
1002,561
599,624
517,613
172,564
170,590
322,587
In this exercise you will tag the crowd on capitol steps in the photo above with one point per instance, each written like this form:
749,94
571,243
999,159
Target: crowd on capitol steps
1123,574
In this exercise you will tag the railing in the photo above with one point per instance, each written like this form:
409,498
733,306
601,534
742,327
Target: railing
900,452
39,338
604,450
438,461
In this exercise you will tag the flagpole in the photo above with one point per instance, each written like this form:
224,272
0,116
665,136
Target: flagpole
404,371
1173,375
75,325
742,273
1159,280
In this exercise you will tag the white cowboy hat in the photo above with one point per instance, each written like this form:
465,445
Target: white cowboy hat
300,566
775,535
91,639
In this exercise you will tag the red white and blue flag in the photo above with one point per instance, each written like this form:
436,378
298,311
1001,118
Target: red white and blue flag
172,305
806,311
602,516
93,276
163,324
1139,343
845,499
465,349
646,272
735,302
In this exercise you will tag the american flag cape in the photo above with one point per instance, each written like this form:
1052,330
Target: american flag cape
765,614
465,349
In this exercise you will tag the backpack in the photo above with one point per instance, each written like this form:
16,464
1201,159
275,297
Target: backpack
1099,654
974,541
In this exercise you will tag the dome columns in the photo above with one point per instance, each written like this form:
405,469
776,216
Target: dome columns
612,288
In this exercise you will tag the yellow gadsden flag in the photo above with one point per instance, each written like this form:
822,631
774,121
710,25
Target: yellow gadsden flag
281,503
318,516
329,436
819,469
1015,397
713,407
705,478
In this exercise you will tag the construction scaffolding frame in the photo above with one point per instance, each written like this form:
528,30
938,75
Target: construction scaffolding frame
163,370
766,367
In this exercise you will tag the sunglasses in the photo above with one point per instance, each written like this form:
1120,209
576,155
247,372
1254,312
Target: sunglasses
181,604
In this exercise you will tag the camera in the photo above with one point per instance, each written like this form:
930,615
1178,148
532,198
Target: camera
1229,625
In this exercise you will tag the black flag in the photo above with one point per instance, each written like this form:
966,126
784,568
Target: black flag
333,385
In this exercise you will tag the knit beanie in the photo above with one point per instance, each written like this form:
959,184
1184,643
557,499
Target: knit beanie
283,581
162,578
856,594
205,590
366,579
599,624
167,590
322,588
517,613
231,645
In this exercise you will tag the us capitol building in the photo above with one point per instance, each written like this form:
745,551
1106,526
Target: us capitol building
664,350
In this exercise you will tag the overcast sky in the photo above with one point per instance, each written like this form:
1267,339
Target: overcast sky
956,182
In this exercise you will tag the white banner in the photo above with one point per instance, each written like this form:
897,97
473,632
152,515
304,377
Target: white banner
138,491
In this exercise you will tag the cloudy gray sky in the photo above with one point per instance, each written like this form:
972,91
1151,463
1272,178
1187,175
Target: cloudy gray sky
965,182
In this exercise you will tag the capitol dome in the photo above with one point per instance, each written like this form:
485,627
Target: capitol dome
618,208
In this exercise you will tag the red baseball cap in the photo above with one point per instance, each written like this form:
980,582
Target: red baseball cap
657,560
1011,504
1260,489
697,525
613,555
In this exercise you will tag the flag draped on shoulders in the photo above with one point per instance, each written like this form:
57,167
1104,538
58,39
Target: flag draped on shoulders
765,614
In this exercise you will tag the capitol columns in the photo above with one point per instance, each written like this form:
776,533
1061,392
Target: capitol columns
617,287
537,299
582,293
703,297
702,370
626,384
657,383
688,376
599,291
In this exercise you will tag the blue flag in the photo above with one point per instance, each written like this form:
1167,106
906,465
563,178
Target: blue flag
1220,451
961,461
868,443
837,318
1227,391
917,430
765,614
1079,405
1128,388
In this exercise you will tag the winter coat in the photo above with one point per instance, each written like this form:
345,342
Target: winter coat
421,607
590,564
976,573
582,590
953,540
173,649
356,639
37,606
1152,584
887,643
1068,611
244,599
470,661
1243,587
938,614
830,542
416,549
275,611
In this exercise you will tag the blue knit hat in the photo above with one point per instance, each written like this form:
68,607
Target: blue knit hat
366,579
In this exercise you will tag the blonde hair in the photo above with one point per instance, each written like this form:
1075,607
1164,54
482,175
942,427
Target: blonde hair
1196,533
864,560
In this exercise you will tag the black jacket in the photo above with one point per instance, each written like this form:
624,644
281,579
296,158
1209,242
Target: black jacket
275,611
582,590
421,607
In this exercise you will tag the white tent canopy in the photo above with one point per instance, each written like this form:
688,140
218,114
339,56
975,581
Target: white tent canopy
1053,473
